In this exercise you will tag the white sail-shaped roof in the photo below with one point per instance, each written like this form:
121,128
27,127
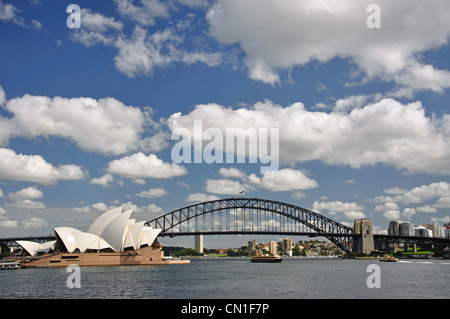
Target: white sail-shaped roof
101,222
30,246
133,235
113,229
45,247
89,241
148,235
114,232
66,234
34,248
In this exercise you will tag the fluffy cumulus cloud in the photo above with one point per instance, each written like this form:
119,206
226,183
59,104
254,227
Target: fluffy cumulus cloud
282,180
152,192
280,35
400,203
104,126
349,210
286,179
200,197
140,165
224,186
386,132
34,168
26,193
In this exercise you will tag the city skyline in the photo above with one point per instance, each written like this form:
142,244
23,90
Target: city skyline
359,94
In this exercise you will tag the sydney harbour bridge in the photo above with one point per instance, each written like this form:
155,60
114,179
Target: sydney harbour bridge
233,216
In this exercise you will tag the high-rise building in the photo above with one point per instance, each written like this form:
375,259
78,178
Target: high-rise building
406,229
273,247
394,228
438,231
421,231
288,244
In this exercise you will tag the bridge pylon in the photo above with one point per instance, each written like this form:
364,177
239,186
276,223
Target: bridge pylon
198,244
363,243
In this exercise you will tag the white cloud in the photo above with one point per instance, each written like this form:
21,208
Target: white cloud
2,96
423,193
153,209
348,210
224,186
387,206
142,53
104,180
101,206
336,206
105,126
152,193
140,165
200,197
427,199
395,190
279,35
147,13
193,3
443,202
26,193
426,209
354,215
232,173
155,143
7,223
388,132
286,179
443,220
26,204
34,168
34,222
9,13
97,22
392,214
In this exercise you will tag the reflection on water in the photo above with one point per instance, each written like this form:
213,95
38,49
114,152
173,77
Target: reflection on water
220,278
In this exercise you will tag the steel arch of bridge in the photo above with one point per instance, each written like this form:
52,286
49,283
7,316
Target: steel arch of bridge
251,216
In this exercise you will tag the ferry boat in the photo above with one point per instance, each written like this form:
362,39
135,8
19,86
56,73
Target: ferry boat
9,265
266,259
388,258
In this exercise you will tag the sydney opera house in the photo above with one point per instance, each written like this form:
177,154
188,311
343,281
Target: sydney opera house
112,239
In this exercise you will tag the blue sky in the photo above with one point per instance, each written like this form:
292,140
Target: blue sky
87,113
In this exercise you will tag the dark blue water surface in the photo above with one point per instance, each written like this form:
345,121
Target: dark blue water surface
237,278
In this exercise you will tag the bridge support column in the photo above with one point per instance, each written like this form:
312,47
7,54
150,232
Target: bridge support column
198,245
364,243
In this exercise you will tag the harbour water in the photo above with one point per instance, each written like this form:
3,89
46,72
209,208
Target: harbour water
237,278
